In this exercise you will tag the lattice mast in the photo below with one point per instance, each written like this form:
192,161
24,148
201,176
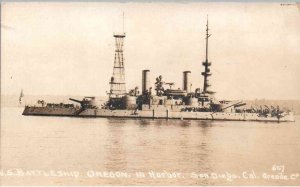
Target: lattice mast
206,64
117,82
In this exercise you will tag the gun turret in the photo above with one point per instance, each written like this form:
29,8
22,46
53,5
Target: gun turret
87,102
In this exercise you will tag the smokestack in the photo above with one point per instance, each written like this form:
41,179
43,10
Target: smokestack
186,81
146,81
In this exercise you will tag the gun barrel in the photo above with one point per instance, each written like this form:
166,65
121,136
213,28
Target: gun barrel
239,105
75,100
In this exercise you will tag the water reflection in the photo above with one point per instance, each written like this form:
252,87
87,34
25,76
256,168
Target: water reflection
115,157
145,144
185,123
143,122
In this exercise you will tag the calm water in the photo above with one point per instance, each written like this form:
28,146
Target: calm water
118,145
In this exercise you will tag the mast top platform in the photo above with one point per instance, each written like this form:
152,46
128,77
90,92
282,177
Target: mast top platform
120,35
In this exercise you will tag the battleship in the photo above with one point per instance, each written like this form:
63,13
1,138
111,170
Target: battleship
163,101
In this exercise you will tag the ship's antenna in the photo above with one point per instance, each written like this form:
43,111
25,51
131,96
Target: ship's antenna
207,36
123,21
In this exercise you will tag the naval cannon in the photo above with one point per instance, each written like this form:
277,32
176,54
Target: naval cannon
86,102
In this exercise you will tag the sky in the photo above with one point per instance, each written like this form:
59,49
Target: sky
68,48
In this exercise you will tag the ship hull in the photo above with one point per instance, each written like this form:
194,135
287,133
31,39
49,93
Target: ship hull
45,111
167,114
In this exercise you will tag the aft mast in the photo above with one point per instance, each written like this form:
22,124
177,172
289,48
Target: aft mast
206,64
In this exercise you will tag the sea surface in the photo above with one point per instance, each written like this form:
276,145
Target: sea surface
105,151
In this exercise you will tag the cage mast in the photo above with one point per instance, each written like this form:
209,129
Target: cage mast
117,82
